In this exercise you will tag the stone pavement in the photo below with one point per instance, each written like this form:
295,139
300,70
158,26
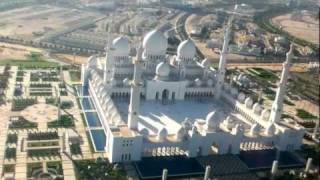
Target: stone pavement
21,160
4,114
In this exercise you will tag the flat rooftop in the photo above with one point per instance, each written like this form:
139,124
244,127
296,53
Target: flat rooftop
154,115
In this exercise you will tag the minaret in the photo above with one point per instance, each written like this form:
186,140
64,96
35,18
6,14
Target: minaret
134,105
107,75
277,105
222,63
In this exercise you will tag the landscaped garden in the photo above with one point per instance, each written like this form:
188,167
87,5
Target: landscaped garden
65,121
75,149
55,168
21,123
19,79
19,104
51,76
43,144
43,136
40,85
10,153
8,168
75,75
98,169
12,139
54,171
66,104
52,101
32,168
43,152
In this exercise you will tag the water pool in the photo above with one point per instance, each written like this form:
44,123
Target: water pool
93,119
99,139
87,104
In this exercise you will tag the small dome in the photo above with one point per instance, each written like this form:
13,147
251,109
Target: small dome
265,114
121,46
198,82
257,108
155,43
186,49
163,69
254,130
241,97
144,132
162,134
213,119
205,63
248,102
270,130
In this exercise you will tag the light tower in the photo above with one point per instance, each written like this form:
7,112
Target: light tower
135,91
277,105
222,62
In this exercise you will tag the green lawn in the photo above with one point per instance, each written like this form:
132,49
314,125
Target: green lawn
305,114
29,64
64,121
32,61
75,75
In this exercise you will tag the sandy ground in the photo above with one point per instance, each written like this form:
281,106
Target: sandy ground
68,58
297,67
303,26
15,51
35,21
12,51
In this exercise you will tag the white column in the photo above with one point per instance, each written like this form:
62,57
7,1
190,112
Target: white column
207,173
164,174
134,105
274,168
222,62
277,106
308,165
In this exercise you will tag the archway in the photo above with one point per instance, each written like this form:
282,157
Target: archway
165,96
230,149
173,97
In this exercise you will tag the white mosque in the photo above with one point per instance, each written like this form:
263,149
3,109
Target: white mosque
155,104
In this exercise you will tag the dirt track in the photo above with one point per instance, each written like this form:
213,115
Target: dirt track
297,67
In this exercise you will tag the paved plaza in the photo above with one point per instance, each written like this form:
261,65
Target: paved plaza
40,113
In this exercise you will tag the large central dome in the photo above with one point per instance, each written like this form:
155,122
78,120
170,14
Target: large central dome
187,49
121,46
155,43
